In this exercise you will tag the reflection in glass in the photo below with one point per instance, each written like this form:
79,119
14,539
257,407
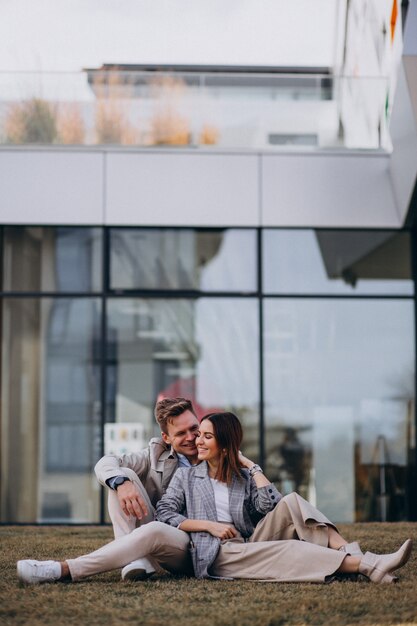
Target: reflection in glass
206,260
59,259
50,409
205,349
337,262
339,397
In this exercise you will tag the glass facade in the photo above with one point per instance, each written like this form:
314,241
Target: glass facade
50,418
308,335
202,348
40,259
337,262
183,259
339,403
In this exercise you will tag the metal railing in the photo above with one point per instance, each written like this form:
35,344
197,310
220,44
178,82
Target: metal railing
211,109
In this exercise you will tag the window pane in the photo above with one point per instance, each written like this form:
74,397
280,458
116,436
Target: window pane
339,403
50,390
205,349
337,262
206,260
51,259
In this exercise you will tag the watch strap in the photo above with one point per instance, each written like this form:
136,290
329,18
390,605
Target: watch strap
116,482
255,469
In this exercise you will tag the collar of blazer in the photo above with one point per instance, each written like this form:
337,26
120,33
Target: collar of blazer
168,454
205,489
201,470
163,460
160,451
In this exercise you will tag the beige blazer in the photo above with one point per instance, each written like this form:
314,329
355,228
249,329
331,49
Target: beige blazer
154,465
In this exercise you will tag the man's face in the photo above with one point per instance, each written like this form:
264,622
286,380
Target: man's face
182,433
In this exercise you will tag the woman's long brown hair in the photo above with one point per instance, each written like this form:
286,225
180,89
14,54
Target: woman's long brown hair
228,432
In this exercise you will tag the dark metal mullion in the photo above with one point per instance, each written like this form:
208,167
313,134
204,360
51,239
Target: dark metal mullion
2,416
50,294
103,353
261,353
178,294
411,503
1,258
332,296
200,294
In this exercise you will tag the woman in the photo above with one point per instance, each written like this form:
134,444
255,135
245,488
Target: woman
221,501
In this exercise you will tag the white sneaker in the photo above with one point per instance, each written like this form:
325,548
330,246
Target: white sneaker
140,569
34,572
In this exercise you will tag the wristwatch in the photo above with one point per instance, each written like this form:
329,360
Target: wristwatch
119,480
255,469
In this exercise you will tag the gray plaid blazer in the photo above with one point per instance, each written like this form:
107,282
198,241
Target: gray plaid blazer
190,495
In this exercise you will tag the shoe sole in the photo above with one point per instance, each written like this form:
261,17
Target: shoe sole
137,574
20,572
388,578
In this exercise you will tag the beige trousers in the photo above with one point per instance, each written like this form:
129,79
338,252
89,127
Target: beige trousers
292,518
285,561
124,524
165,545
289,544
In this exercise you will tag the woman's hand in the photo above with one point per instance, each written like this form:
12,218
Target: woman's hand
222,531
245,462
259,477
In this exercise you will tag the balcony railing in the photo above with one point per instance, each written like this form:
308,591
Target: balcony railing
254,111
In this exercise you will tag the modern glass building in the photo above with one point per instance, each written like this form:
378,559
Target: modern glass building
307,334
243,238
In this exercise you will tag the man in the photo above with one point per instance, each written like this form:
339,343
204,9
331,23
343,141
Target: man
136,482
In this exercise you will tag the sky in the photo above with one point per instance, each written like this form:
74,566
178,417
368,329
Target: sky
67,35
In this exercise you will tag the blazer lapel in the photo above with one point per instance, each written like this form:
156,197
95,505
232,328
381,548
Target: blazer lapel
167,464
204,492
236,500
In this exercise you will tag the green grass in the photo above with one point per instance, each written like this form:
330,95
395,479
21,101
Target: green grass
171,601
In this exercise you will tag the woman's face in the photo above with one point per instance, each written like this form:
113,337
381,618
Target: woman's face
207,447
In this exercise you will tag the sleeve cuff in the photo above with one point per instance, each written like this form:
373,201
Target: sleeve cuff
175,520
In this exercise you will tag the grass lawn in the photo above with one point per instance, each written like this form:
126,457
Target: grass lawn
171,601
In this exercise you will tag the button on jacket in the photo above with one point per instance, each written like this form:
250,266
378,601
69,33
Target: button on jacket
190,495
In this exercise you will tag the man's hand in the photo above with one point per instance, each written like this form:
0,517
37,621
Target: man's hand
131,501
223,531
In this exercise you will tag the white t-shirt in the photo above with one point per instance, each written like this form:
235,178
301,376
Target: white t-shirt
221,497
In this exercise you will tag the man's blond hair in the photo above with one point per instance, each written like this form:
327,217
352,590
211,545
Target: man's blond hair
169,408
